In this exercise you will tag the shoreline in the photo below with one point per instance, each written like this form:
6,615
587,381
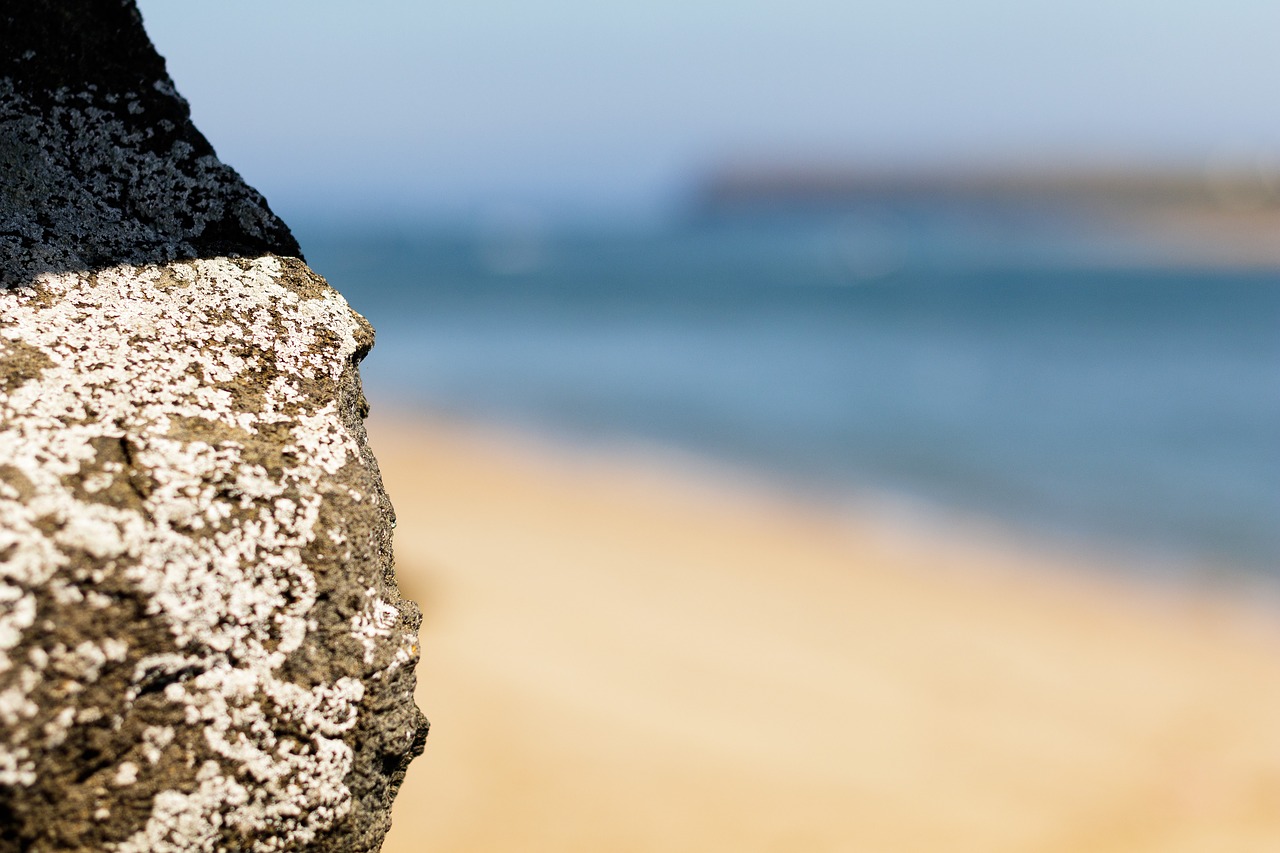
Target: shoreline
619,654
1145,560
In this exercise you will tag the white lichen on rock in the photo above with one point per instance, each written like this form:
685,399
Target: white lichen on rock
177,460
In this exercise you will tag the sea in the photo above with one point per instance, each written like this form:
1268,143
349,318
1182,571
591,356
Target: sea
1050,371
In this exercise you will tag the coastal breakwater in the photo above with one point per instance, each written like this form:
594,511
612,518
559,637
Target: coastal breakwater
202,643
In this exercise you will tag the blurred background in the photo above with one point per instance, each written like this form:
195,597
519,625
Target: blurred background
814,425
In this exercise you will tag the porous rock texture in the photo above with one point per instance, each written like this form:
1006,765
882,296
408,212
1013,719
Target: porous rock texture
202,644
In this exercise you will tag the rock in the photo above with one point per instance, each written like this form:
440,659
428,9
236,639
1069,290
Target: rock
100,162
202,644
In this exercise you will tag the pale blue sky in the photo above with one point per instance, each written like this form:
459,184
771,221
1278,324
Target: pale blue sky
597,104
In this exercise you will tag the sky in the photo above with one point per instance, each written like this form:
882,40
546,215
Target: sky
583,105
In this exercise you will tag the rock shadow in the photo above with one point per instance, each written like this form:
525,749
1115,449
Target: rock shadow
100,164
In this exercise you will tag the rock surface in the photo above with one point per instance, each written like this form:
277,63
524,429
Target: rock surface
99,161
202,645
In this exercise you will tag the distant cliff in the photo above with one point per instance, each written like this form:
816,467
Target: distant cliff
816,185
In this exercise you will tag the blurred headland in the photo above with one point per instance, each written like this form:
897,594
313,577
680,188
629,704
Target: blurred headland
798,183
1224,214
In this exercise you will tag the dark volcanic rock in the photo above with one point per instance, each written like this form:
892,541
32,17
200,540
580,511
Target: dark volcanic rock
202,645
99,161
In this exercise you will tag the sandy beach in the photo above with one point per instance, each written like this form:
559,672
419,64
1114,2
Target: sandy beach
619,655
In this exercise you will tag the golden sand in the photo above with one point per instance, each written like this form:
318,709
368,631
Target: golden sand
618,658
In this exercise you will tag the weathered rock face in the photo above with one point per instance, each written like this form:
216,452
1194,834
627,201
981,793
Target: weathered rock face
202,645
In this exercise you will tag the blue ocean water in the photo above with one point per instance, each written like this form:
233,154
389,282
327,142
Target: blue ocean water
1061,378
